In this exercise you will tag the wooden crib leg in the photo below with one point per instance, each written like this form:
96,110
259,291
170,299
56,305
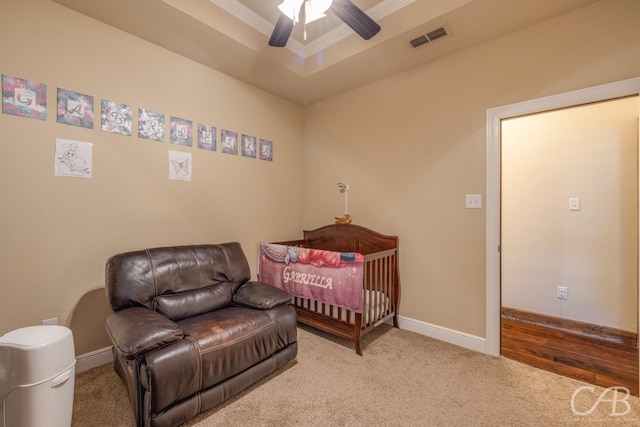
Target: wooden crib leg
357,333
358,349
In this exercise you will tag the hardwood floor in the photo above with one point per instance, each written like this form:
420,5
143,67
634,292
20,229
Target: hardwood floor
595,354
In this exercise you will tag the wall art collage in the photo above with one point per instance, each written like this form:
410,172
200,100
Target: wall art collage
27,98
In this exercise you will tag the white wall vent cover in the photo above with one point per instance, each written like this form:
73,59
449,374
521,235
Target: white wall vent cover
431,36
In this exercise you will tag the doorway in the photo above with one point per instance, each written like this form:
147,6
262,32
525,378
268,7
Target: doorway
493,203
569,241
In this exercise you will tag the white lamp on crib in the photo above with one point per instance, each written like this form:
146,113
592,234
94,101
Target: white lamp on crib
346,218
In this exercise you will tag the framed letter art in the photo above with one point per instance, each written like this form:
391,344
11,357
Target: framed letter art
150,125
116,118
207,137
249,146
229,141
181,131
266,150
24,98
75,108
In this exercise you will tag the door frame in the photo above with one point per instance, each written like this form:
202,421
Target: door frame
494,117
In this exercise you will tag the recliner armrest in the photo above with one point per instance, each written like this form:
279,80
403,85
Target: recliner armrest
260,296
136,331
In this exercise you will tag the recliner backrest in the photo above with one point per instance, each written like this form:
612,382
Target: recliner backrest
178,282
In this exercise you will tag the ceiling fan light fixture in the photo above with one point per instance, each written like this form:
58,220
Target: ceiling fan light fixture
311,13
320,6
290,8
345,10
314,9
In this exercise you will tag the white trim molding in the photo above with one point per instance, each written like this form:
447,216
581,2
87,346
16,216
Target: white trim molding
93,359
441,333
603,92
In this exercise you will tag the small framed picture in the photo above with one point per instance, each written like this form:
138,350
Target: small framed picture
181,131
150,125
249,146
24,98
266,150
229,141
116,118
75,108
207,137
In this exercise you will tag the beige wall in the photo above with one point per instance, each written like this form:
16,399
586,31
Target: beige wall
412,145
56,233
588,152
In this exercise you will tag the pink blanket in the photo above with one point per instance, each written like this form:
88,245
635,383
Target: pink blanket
330,277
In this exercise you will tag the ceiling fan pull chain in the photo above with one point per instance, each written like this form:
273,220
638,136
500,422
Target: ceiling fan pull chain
303,18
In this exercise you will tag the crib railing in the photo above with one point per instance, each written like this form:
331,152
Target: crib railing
380,293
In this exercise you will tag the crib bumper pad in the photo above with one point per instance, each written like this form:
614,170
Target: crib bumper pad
326,276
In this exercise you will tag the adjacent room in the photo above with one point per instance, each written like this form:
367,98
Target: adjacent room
129,125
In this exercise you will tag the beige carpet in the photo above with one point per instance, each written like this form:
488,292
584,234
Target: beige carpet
403,379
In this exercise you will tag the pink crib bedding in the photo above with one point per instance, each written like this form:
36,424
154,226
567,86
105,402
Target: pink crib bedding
330,277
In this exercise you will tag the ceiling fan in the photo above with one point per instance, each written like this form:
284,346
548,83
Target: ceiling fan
293,12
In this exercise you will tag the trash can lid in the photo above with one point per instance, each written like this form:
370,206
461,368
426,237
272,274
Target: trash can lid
35,335
35,353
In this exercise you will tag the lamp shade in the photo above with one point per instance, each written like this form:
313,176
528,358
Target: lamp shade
320,6
290,8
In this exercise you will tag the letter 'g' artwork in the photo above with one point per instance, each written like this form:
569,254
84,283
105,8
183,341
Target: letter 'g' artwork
330,277
25,98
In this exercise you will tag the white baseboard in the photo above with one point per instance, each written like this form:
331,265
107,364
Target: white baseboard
100,357
462,339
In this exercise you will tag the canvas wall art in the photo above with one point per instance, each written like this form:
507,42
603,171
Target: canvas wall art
24,98
249,146
116,118
207,137
181,131
75,108
266,150
150,125
229,141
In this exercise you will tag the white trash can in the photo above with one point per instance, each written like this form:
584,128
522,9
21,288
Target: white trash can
37,377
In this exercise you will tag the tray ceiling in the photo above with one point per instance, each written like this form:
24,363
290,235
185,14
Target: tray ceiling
231,36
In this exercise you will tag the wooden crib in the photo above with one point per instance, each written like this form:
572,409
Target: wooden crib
380,284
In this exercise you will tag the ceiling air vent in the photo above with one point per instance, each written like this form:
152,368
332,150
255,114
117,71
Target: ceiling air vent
431,36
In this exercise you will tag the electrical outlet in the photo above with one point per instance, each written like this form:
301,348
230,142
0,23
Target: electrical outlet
52,321
563,292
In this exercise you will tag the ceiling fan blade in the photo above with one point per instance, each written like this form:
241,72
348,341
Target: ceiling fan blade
281,32
355,18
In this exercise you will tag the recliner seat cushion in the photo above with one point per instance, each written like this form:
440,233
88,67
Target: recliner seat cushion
242,337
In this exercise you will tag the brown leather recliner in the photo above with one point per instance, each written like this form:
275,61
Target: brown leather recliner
189,328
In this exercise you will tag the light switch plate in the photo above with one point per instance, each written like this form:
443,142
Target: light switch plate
473,201
574,203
